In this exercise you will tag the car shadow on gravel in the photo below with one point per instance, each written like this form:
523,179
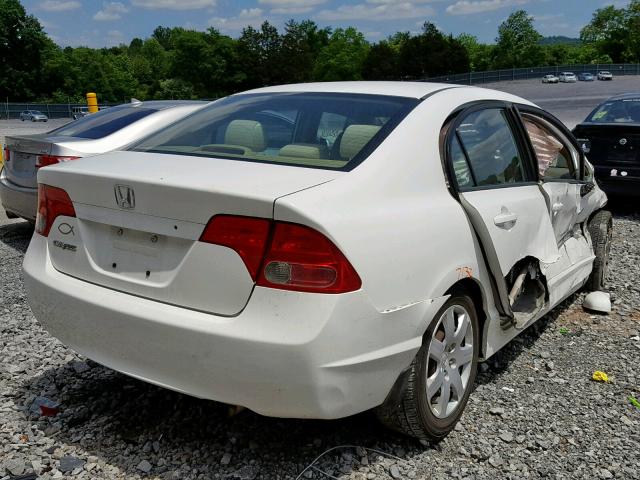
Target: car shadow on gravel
117,418
502,360
16,235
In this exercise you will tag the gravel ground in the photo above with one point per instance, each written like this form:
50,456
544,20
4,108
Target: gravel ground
535,412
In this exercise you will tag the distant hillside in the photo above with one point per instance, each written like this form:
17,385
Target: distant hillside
559,40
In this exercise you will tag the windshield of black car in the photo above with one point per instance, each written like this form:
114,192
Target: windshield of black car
104,122
320,130
626,110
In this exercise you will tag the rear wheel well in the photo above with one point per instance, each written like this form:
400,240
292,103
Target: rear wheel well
469,287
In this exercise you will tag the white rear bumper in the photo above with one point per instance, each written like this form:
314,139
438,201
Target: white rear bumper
287,354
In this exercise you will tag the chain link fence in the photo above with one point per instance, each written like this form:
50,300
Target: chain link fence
474,78
12,110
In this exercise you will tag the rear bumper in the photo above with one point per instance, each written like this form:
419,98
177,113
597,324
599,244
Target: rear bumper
21,201
287,354
618,185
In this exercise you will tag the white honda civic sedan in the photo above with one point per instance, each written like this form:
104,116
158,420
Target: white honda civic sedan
317,250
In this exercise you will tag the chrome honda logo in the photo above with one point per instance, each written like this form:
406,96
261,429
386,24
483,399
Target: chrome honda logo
623,141
125,197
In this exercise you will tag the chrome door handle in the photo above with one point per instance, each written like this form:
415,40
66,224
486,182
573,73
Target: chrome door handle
505,218
556,207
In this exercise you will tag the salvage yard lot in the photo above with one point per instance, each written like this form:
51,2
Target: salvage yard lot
535,411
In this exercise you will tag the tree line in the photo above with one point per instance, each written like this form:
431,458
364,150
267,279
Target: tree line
179,63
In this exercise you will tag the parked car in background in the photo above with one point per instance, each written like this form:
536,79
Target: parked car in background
604,75
276,249
100,132
550,79
610,136
33,115
567,77
586,77
79,112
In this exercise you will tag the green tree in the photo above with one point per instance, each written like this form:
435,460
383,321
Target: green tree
517,43
343,57
432,53
381,63
22,42
299,49
480,54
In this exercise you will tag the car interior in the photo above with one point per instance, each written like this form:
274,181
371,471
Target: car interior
304,132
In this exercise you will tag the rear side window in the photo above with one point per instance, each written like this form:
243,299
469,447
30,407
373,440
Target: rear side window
321,130
491,148
104,122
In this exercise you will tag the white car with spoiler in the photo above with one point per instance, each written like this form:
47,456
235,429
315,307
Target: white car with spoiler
317,250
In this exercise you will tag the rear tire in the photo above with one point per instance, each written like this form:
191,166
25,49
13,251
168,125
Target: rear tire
449,358
600,229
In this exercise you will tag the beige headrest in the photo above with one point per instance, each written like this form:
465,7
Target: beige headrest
304,150
354,138
245,133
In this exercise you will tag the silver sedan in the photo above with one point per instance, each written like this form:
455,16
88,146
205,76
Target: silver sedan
33,115
105,131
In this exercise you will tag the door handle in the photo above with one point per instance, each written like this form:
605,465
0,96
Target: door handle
556,207
505,219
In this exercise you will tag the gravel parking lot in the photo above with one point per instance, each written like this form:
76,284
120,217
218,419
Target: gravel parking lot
535,411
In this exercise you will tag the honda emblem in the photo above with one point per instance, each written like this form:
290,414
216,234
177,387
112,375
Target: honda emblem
125,197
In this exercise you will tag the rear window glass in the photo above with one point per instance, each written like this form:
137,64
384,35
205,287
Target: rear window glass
617,111
103,123
321,130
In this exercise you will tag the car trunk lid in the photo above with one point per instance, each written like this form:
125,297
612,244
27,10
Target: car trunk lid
139,217
21,168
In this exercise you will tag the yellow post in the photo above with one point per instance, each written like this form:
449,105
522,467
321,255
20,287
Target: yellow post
92,102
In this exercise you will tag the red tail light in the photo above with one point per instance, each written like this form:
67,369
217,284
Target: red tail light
7,154
246,235
295,258
52,202
44,160
300,258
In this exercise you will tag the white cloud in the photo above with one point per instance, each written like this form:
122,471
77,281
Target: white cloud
110,11
466,7
59,6
246,17
291,7
380,12
174,4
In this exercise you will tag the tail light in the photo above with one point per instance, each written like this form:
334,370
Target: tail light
45,160
52,202
7,154
285,256
246,235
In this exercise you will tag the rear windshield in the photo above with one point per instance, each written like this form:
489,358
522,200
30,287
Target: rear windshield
617,111
104,122
320,130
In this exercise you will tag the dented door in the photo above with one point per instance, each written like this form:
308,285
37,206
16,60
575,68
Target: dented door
497,187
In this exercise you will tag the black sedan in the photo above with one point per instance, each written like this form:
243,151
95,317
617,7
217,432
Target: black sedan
610,136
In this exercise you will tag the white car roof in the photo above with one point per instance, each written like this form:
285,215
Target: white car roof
396,89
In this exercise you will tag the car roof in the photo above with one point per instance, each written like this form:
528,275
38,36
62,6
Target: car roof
624,96
395,89
162,104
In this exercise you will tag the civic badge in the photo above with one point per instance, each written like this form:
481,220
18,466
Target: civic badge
125,197
623,141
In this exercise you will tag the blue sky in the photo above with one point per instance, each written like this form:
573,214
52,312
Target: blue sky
98,23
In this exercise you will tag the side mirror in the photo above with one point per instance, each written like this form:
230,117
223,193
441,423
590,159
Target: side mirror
587,188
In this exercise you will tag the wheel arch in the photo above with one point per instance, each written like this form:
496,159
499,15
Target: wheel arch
472,288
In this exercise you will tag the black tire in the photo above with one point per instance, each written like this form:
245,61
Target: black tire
407,409
600,229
